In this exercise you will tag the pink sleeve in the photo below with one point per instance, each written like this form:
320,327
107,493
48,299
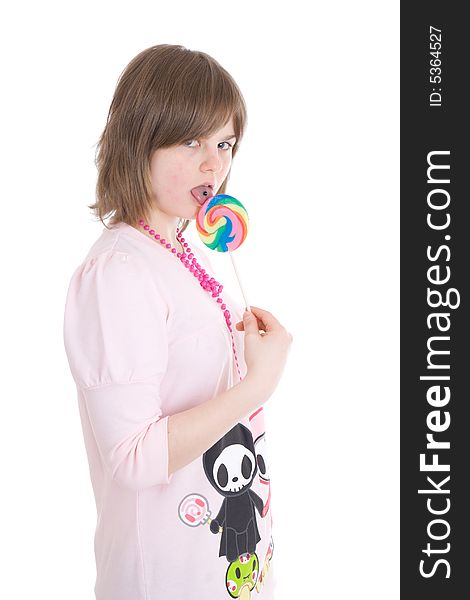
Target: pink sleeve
116,343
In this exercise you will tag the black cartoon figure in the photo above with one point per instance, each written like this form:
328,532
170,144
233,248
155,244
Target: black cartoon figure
230,466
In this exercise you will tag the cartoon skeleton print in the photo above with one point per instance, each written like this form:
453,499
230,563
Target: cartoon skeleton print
230,466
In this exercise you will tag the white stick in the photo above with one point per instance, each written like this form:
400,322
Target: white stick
247,306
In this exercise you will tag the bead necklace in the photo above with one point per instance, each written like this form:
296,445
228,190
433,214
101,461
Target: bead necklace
209,284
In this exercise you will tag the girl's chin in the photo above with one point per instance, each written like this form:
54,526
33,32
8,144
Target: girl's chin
190,214
195,202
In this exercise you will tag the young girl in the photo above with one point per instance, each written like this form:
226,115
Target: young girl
170,393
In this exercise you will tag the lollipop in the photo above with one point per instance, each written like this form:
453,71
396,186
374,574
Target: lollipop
222,224
194,510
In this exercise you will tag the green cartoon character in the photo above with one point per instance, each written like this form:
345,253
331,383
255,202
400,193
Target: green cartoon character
242,575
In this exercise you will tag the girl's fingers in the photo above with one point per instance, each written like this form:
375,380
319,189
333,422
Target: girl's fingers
266,321
240,327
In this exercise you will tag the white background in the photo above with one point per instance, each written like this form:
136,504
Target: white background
318,172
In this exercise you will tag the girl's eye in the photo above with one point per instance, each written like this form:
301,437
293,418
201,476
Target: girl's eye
187,144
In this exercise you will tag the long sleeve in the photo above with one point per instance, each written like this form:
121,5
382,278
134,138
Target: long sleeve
115,336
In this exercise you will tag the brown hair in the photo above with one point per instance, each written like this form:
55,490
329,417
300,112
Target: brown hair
166,95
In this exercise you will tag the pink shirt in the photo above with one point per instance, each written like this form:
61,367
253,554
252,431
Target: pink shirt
145,341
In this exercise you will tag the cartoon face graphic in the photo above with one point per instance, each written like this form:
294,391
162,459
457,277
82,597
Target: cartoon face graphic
234,468
230,464
243,571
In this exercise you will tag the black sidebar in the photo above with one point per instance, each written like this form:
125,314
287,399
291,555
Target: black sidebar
434,302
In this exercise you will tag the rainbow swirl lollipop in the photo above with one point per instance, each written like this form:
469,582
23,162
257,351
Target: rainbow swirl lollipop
222,223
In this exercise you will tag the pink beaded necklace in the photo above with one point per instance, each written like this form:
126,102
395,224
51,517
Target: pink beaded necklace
212,286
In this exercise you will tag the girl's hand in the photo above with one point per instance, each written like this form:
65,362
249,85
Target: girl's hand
267,344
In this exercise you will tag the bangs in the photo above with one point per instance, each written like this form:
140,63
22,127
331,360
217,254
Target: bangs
201,97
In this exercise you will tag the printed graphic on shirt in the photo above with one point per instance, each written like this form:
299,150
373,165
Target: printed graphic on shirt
257,429
231,466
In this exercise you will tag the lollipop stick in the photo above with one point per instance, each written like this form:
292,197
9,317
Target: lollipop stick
247,306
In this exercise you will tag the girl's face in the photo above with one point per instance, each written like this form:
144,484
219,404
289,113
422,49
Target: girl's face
176,170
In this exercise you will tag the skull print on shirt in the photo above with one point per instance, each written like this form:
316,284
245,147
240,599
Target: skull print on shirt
230,466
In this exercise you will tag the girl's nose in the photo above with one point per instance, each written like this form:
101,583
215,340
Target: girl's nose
211,162
211,165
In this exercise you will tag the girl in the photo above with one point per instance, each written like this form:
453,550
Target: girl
170,394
